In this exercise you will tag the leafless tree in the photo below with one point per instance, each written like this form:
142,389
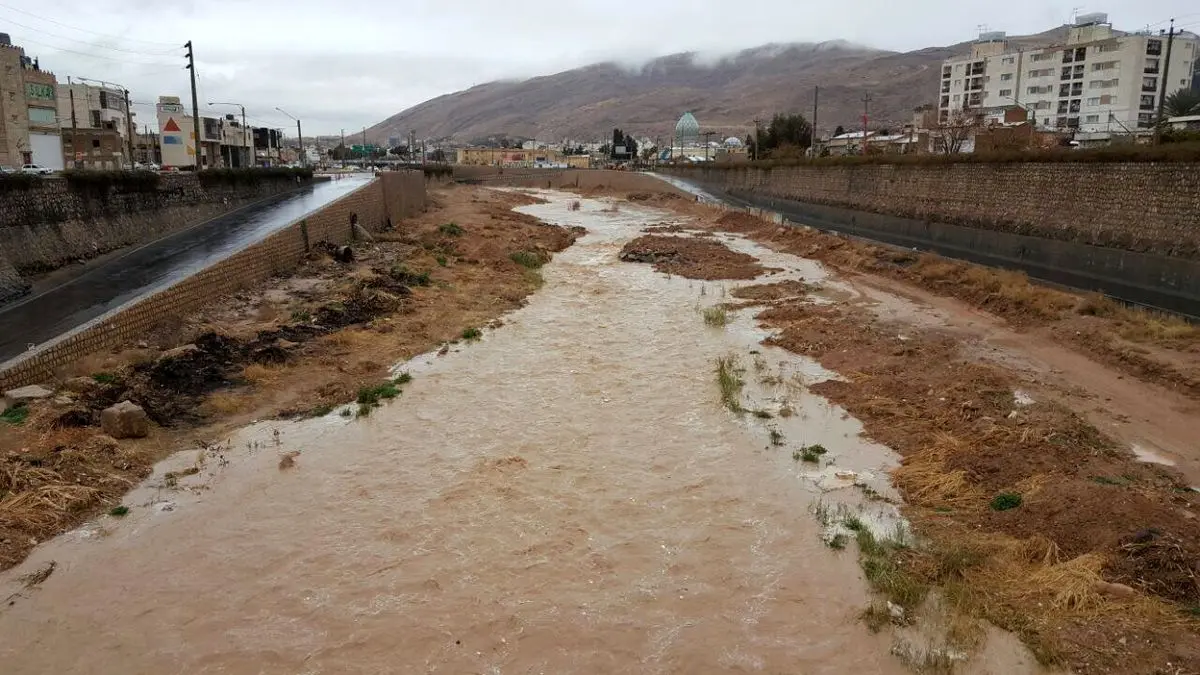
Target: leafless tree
959,127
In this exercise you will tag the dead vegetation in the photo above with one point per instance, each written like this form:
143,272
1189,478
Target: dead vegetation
292,347
1146,344
691,257
1017,525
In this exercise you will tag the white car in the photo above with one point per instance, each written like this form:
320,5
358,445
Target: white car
34,168
138,166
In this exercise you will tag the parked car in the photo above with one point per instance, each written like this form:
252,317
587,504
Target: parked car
138,166
7,169
34,168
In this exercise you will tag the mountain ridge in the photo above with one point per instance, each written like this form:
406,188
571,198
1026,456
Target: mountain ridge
726,93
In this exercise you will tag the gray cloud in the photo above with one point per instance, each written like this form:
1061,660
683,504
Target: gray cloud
350,64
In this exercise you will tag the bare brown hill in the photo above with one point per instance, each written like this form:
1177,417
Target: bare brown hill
726,95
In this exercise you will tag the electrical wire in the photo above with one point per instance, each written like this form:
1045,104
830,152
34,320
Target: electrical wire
91,44
92,56
84,30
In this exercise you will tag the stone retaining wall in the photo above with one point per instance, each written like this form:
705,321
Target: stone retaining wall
393,194
1145,207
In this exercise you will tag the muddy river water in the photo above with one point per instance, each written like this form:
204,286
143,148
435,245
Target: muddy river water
567,495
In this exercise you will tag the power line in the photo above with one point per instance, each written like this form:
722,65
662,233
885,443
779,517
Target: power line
90,44
84,30
92,56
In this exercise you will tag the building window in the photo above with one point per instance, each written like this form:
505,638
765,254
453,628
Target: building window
1005,77
1093,101
958,84
1147,102
1103,49
1145,120
1064,89
1008,60
95,118
1091,119
1149,84
44,116
1062,106
1072,122
946,72
95,142
1108,99
1061,122
1007,93
1076,88
1074,105
1066,73
1154,47
945,101
1040,56
1068,56
1151,67
1105,65
1081,53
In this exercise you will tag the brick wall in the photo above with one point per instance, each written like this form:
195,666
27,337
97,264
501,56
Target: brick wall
12,285
278,254
403,194
50,224
1142,207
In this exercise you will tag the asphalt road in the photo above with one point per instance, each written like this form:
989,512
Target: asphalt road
116,281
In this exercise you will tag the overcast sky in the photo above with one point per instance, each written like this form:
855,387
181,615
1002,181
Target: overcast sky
351,63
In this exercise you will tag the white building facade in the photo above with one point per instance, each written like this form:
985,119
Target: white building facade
1099,80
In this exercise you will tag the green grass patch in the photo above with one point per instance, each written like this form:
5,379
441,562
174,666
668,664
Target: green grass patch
716,316
105,378
321,410
301,316
372,396
854,524
441,261
451,229
776,437
729,379
1005,501
16,414
119,511
409,278
472,333
346,412
882,565
527,259
838,541
810,453
403,378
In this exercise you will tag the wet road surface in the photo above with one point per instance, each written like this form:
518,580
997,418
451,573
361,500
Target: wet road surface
112,283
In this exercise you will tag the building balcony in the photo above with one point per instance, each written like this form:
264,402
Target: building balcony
1146,106
1149,88
1150,70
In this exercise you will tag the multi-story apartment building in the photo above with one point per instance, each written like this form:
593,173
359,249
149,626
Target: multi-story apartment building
100,108
29,128
1098,80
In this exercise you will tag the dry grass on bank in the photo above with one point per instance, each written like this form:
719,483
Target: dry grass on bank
1146,344
1091,545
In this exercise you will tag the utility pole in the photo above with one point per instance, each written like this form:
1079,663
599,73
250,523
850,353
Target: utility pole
71,90
812,144
128,125
1162,94
866,112
191,66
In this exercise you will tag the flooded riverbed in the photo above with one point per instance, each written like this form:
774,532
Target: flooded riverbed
567,495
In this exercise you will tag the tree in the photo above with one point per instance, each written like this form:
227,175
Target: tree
1182,102
400,151
786,131
954,132
650,153
839,130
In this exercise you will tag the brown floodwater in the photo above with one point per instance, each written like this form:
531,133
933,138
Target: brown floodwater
567,495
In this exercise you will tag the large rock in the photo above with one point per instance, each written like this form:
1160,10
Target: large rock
33,392
125,420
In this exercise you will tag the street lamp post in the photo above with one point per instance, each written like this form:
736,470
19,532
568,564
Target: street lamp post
299,137
128,113
249,150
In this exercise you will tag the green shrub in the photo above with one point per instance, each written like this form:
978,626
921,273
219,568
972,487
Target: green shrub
118,511
252,176
102,183
16,414
1005,501
371,396
527,259
472,334
451,229
18,181
105,378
